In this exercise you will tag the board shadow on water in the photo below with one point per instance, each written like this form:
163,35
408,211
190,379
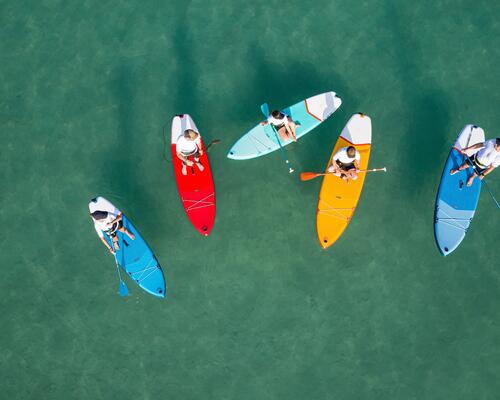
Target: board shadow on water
121,175
427,107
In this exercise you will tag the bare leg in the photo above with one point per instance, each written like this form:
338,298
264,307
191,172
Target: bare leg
460,168
114,239
184,169
334,171
283,134
128,233
292,127
198,164
471,179
352,174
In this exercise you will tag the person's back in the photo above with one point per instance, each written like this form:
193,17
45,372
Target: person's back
283,124
103,213
189,145
345,163
107,221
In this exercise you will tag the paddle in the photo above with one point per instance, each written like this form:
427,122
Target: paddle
484,182
265,110
212,143
307,176
123,289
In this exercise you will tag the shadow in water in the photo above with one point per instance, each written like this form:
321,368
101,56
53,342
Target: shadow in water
123,163
424,146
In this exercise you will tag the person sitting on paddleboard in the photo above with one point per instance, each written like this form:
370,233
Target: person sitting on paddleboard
107,220
283,124
484,161
189,145
345,163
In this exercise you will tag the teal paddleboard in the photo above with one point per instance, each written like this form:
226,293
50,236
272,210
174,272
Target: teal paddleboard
309,113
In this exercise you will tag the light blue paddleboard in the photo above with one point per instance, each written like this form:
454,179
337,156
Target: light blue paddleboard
309,113
456,203
137,259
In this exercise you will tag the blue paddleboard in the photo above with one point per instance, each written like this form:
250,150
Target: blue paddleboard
309,113
137,259
456,202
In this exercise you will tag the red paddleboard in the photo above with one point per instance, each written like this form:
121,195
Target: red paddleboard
197,187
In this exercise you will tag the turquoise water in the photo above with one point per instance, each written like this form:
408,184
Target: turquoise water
256,310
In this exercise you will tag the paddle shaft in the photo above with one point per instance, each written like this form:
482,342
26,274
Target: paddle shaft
212,143
364,170
123,289
307,176
361,170
265,110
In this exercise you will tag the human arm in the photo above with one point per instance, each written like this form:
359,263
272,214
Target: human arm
118,218
357,160
107,245
290,132
490,168
474,147
200,147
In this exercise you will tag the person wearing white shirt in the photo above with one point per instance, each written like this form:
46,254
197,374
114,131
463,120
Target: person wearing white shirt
189,146
283,124
483,162
107,220
345,163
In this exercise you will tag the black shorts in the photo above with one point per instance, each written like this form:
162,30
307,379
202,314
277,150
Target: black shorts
345,167
195,155
479,169
278,127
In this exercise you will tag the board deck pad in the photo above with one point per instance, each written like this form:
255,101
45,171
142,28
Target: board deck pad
196,189
262,139
338,199
456,203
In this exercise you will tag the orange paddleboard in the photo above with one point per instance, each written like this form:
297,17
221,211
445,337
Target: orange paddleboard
338,199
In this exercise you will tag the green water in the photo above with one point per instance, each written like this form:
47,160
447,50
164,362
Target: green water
256,310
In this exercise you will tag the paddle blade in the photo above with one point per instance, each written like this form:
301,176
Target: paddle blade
265,109
307,176
213,143
123,289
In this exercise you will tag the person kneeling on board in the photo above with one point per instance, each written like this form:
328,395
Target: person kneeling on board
108,220
283,124
484,161
187,146
345,163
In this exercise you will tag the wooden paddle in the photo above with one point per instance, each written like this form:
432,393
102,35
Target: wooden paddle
307,176
213,143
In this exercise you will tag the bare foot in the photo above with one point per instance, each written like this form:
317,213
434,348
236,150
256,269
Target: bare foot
470,180
453,171
184,170
130,235
200,167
